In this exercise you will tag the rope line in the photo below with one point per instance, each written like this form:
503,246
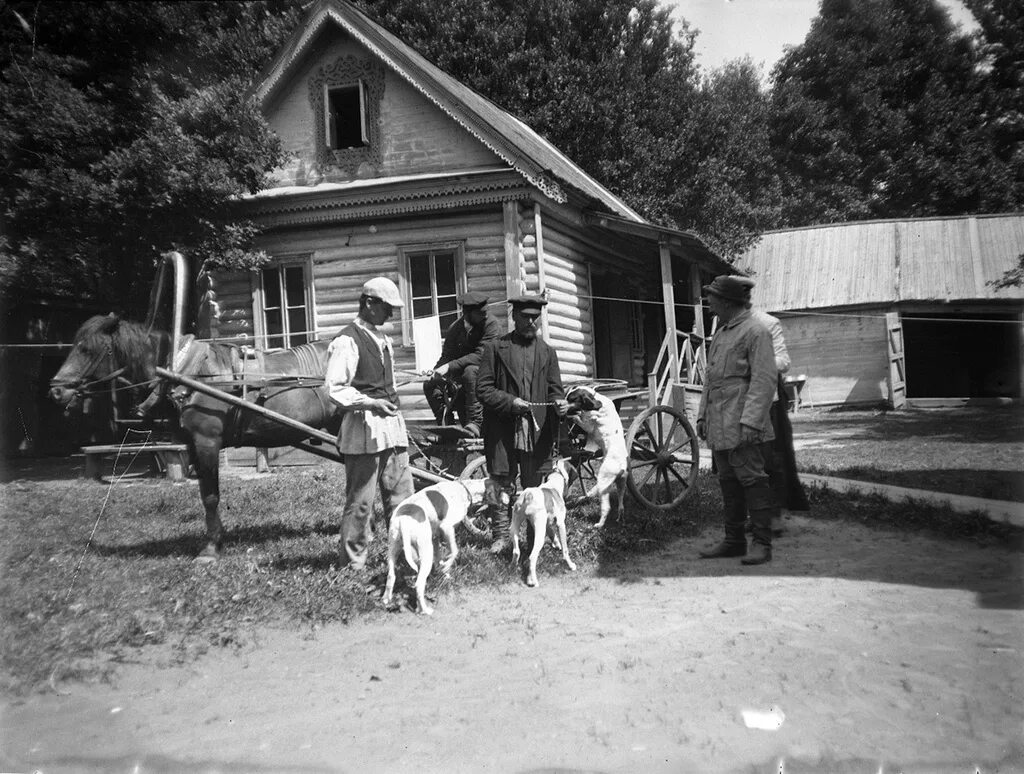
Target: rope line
106,498
779,314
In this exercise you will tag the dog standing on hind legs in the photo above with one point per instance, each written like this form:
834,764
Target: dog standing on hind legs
417,521
600,421
542,507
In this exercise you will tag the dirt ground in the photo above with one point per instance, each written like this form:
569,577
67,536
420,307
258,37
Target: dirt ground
860,651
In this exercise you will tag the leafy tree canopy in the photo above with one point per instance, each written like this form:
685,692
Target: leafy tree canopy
125,131
881,112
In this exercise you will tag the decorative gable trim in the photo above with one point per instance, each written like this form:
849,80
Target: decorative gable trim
546,184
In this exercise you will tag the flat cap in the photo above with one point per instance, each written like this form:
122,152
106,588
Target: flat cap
472,298
529,303
384,289
731,288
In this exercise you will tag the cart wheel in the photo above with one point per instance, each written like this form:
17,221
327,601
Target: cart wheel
476,523
663,457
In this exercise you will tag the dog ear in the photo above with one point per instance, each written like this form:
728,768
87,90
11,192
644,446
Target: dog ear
110,323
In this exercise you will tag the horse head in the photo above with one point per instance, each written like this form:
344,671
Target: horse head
105,348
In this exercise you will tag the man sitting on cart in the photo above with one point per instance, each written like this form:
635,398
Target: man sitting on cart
460,362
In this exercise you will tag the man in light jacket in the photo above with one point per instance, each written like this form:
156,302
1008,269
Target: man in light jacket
734,419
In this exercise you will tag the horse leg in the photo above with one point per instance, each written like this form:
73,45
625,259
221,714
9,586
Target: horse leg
207,461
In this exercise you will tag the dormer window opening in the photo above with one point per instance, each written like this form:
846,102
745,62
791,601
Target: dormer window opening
346,120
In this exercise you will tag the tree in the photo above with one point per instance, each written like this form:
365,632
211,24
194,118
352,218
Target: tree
125,131
880,113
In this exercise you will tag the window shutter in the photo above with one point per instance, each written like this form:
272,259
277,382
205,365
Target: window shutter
364,122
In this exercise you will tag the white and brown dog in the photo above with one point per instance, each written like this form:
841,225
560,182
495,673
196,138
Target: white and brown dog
417,521
543,507
600,421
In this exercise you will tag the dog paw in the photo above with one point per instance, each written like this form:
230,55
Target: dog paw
427,610
572,566
531,582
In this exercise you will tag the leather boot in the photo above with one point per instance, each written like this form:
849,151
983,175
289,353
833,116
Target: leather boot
500,524
762,509
498,514
734,514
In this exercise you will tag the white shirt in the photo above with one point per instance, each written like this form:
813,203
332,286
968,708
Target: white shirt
362,432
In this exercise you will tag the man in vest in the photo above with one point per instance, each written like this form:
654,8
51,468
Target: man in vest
361,379
460,361
520,387
734,419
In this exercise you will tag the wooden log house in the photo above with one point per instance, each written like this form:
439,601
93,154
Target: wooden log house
397,169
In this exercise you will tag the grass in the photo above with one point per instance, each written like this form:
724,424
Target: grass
971,451
91,573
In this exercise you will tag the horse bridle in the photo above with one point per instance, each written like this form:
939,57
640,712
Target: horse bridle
81,386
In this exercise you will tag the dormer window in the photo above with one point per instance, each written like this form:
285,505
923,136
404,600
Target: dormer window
345,97
346,119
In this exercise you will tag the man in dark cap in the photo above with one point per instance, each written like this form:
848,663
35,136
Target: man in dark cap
734,419
520,387
460,361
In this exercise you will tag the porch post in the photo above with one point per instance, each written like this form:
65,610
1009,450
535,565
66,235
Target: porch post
513,272
698,320
669,300
542,282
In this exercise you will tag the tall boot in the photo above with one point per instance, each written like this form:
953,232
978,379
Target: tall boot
499,514
734,514
763,509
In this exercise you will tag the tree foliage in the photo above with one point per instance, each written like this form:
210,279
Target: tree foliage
881,112
125,131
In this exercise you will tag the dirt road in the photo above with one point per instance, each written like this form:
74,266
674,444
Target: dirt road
861,650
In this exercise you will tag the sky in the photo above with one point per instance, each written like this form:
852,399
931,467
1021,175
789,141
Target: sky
729,29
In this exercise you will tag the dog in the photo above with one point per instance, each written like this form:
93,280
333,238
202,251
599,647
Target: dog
600,421
416,522
542,507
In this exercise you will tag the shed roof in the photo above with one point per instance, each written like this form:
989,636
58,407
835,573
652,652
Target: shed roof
919,259
540,162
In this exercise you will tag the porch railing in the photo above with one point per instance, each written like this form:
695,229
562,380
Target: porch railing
690,370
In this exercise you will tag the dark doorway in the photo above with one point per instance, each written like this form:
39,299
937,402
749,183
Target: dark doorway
962,355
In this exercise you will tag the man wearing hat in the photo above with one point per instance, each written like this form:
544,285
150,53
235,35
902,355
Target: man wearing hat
782,473
520,387
460,361
734,419
361,379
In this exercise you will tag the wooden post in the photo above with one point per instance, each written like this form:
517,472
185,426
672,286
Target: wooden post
542,283
700,354
669,300
513,283
262,460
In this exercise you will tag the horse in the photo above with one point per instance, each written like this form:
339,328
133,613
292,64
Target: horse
107,348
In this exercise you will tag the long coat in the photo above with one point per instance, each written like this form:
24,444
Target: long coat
501,379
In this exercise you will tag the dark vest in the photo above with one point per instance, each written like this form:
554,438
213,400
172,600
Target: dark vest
372,377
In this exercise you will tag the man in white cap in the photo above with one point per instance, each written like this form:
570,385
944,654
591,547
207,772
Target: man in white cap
361,379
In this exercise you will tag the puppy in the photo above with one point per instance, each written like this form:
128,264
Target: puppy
600,421
543,507
416,522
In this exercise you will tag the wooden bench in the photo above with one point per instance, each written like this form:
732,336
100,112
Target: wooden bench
169,458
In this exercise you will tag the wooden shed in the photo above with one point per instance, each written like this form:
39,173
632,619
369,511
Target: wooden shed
397,169
883,312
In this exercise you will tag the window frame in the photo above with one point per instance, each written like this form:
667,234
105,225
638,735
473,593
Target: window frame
406,253
364,118
260,333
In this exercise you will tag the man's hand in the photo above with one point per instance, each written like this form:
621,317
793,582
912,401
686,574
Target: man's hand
561,407
520,406
441,370
702,431
382,408
749,435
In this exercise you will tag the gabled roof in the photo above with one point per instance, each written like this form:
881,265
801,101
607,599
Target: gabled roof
540,162
890,261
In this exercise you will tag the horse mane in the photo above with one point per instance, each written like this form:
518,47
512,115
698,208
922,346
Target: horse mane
133,346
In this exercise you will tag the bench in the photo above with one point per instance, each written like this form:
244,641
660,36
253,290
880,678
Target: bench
169,458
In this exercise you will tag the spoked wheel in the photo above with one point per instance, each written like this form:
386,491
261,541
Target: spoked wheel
476,522
663,458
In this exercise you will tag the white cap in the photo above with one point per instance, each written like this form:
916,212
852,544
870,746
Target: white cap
384,289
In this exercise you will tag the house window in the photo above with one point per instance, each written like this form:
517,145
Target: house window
433,277
346,120
284,311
